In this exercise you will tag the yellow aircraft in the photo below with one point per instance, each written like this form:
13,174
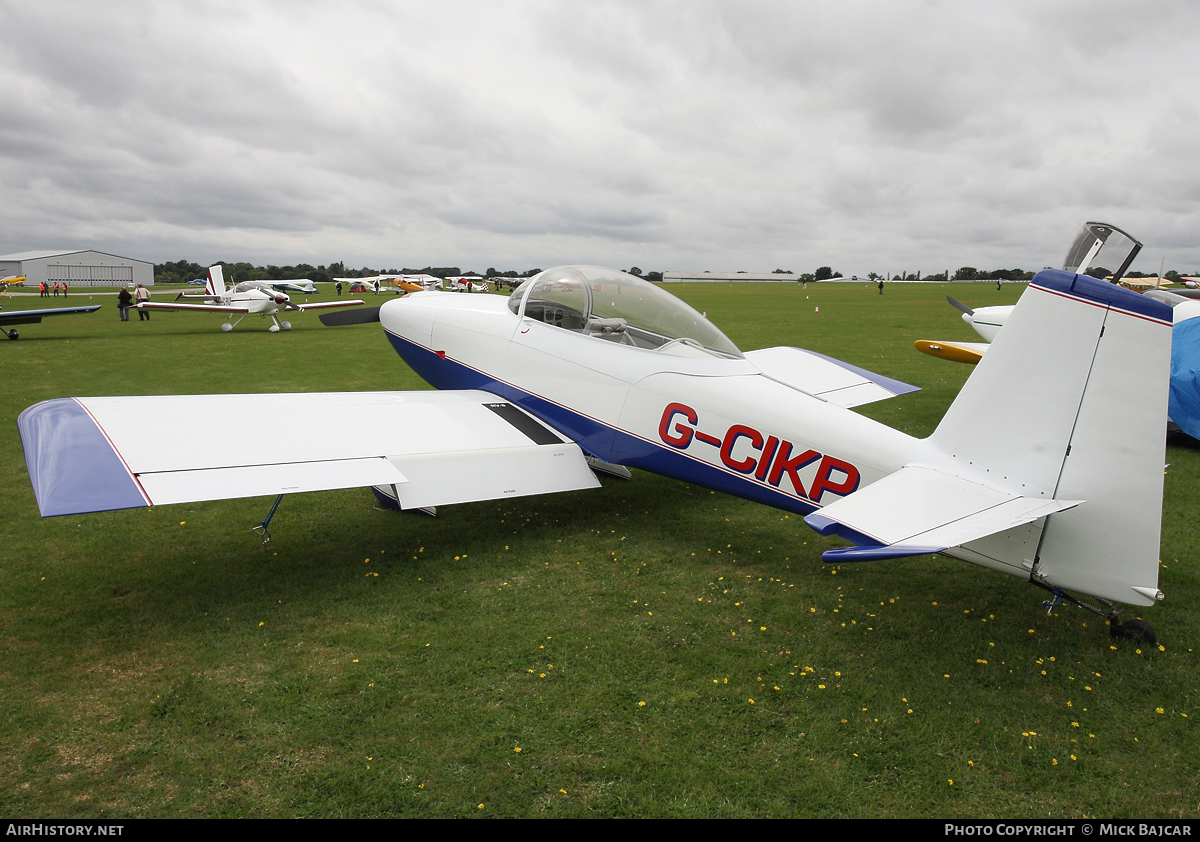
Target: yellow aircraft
11,281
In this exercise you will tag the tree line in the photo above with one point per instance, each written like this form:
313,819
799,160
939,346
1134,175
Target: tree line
182,271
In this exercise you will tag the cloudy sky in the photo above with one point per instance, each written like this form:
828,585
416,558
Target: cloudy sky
687,135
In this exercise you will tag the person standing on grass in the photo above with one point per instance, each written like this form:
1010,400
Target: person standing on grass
339,287
142,295
124,301
881,286
64,289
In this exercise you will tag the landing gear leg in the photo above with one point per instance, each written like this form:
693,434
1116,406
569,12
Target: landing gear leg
1138,631
261,529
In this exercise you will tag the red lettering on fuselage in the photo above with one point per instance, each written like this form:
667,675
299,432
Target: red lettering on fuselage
768,461
734,433
784,463
679,436
824,480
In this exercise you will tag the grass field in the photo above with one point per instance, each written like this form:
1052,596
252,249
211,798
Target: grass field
648,649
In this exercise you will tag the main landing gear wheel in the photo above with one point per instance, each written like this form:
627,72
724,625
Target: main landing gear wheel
1139,631
226,326
286,325
12,334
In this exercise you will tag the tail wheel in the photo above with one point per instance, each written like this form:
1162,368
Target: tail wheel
1139,631
12,334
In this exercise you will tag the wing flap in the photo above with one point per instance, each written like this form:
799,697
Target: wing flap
168,487
922,510
825,377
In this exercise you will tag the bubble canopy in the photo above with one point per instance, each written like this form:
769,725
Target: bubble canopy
618,307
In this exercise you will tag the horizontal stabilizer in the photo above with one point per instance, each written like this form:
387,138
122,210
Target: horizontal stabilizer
920,510
825,377
959,352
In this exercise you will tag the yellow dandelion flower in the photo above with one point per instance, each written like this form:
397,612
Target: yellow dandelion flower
517,749
751,701
641,704
480,806
1072,757
1158,710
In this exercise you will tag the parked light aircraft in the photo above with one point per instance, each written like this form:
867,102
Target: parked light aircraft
299,285
467,283
29,317
12,281
1031,472
1095,242
246,298
1183,408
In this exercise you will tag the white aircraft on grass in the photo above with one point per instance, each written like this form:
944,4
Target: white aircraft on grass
1095,242
299,285
1030,472
246,298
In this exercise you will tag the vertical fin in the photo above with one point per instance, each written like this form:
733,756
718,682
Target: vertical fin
216,280
1070,402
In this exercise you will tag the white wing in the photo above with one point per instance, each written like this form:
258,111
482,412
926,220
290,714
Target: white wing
436,448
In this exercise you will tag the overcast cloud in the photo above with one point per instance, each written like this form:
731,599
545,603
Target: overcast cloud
694,135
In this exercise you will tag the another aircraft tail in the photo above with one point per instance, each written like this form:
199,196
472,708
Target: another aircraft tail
1071,403
216,281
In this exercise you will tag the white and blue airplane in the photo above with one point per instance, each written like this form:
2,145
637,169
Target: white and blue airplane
1029,473
246,298
303,285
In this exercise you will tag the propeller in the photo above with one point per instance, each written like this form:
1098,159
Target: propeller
280,298
355,316
958,305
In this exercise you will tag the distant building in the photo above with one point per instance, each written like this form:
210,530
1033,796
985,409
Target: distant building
726,277
77,268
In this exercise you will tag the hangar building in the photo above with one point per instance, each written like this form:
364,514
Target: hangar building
77,268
